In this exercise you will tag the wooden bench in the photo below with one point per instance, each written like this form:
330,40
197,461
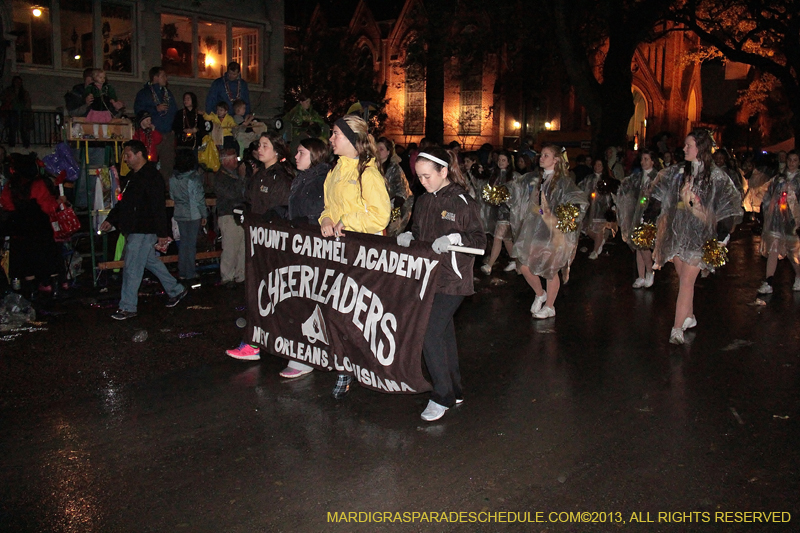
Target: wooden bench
108,265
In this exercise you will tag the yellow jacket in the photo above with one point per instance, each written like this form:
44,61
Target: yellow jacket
226,124
363,210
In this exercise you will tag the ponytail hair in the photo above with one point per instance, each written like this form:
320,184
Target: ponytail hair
562,161
365,144
454,173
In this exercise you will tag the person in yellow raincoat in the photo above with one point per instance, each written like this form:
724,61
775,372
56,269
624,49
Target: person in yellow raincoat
356,195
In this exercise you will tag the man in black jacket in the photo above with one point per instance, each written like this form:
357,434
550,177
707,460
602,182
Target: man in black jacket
141,216
76,101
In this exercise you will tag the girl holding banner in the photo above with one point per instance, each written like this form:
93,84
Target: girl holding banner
356,195
446,216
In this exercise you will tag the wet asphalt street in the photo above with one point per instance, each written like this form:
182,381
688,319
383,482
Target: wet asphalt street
592,411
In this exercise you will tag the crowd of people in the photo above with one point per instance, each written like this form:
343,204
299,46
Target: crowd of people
676,206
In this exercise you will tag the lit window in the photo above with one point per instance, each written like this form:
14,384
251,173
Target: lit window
77,37
176,45
212,56
34,31
414,123
469,120
247,52
117,20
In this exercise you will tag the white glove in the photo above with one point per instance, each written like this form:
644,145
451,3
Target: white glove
440,245
404,239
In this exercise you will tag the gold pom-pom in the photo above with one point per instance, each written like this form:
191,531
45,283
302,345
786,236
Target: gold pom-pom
567,215
395,214
495,195
715,254
644,236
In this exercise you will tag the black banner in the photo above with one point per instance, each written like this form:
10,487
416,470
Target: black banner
357,305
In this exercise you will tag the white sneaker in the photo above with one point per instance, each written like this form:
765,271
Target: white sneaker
796,286
510,267
639,283
545,312
593,256
433,411
600,250
766,288
676,336
648,280
538,302
689,323
486,269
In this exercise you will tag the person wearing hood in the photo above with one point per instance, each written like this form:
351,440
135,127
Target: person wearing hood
399,191
186,190
156,98
147,133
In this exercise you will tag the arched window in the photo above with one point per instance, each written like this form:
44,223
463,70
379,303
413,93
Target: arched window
414,123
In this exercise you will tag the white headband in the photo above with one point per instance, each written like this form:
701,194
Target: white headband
433,158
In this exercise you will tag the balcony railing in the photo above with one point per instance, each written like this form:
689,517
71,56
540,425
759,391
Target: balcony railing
30,127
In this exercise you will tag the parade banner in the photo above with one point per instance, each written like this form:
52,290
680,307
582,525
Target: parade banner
356,305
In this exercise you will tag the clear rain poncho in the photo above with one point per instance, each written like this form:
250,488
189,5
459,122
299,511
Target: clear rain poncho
632,200
599,204
781,217
492,214
538,244
683,229
399,189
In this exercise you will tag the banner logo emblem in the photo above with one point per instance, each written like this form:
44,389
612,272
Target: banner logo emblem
314,328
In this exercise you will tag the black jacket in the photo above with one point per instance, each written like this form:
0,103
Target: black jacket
143,207
268,190
307,197
451,210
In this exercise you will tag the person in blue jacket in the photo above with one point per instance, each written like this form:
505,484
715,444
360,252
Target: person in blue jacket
156,98
228,88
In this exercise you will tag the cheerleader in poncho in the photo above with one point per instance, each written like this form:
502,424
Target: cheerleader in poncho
779,208
497,218
541,248
699,203
600,217
635,208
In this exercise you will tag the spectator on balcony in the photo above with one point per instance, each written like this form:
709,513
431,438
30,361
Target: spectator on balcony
158,100
189,125
16,112
228,88
76,100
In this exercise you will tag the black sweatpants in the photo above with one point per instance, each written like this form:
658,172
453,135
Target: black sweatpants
439,349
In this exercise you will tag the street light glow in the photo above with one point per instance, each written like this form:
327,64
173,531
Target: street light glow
37,12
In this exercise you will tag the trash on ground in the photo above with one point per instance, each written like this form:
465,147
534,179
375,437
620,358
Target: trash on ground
15,312
240,308
736,416
736,344
6,338
781,417
202,307
189,334
497,281
758,302
241,323
140,336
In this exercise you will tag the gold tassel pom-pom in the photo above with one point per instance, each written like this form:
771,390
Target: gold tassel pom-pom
644,236
715,254
495,195
395,214
567,215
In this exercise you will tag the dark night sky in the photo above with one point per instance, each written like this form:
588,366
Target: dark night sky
339,12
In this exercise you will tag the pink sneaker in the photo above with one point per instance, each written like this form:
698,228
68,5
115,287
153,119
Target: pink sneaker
245,352
292,373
